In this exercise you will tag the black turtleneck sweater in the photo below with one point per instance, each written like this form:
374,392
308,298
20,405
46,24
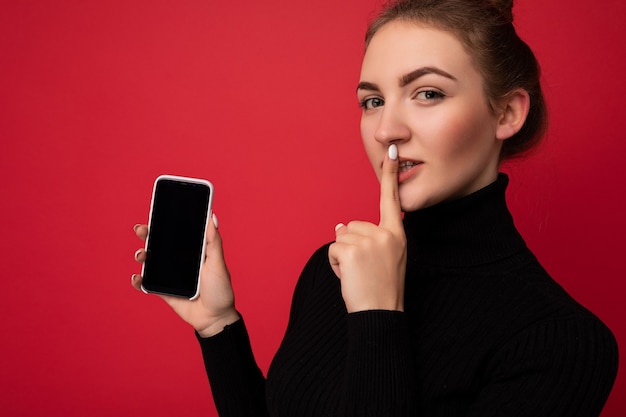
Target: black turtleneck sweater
486,332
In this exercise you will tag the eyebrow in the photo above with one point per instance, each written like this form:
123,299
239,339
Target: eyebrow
407,79
364,85
414,75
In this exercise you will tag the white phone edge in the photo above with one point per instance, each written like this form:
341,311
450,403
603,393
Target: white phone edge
189,180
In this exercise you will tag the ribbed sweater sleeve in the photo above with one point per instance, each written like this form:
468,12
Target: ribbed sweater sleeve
552,369
380,372
332,363
237,384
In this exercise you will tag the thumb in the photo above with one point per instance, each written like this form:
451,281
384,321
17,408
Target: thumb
214,249
390,210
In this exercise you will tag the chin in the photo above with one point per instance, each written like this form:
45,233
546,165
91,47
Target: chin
413,201
416,194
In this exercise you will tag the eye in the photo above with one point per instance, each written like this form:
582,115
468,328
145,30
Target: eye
371,103
430,95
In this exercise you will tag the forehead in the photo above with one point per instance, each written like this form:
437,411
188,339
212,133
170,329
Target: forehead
400,47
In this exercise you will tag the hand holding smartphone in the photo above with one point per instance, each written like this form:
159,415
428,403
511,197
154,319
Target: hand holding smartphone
175,245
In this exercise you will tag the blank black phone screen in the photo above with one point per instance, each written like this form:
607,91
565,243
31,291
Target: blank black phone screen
176,237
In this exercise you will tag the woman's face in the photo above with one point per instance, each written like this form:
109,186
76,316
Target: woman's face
420,90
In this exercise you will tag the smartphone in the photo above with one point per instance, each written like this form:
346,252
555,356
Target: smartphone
175,245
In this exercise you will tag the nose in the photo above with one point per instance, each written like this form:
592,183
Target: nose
391,127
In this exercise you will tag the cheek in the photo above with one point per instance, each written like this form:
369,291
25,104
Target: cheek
372,147
459,135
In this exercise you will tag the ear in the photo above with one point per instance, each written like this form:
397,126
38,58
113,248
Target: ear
513,112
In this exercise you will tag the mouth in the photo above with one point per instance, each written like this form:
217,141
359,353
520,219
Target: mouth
406,165
408,169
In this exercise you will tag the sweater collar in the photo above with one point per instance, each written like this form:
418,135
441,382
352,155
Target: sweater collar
473,230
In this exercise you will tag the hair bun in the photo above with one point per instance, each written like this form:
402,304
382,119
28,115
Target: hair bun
504,8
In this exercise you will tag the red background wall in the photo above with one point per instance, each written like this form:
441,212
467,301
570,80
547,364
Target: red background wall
99,97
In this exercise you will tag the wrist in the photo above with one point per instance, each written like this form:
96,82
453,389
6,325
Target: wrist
219,324
399,307
380,301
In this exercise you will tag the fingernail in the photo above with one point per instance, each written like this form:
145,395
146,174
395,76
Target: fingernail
138,252
339,226
215,222
135,227
133,277
393,152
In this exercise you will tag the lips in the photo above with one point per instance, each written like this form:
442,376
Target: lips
407,169
406,165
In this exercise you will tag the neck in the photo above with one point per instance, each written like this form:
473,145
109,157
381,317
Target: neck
472,230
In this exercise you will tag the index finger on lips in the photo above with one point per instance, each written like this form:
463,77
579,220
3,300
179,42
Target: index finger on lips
390,210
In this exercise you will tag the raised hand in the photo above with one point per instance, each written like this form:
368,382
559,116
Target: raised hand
370,259
215,308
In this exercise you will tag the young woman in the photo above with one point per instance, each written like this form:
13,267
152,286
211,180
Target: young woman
443,311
